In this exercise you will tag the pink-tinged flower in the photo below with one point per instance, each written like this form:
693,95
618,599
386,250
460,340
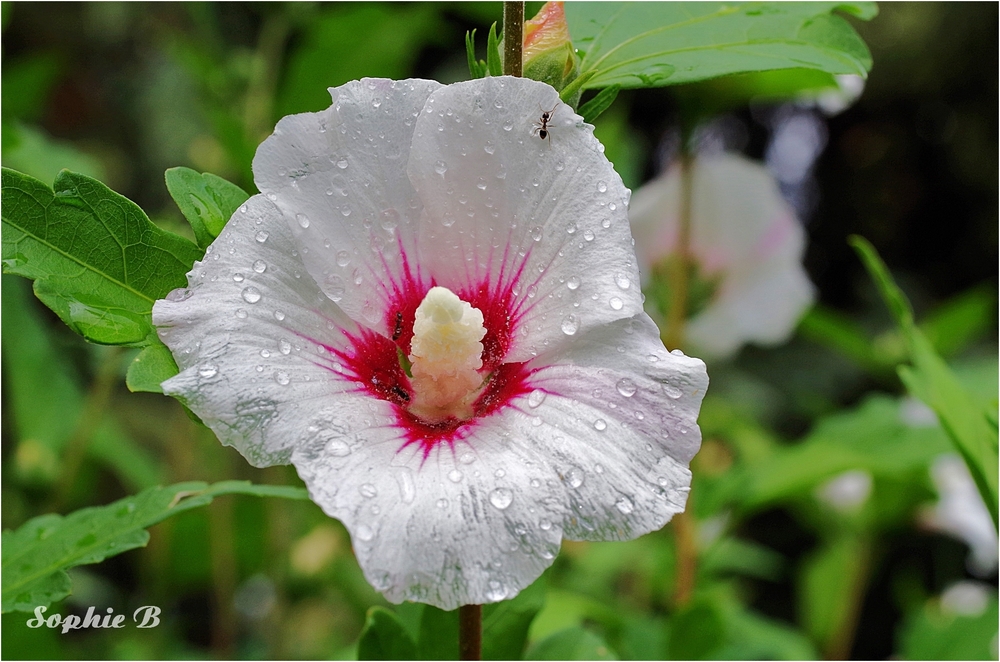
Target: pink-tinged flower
435,316
746,244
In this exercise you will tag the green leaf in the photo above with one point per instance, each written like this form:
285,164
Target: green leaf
97,260
573,643
153,366
47,403
206,200
967,422
696,631
831,589
385,638
476,68
591,110
931,633
718,95
638,44
494,63
752,636
506,623
961,321
35,557
438,634
839,332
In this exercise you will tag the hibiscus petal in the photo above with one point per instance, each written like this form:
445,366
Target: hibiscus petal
246,336
340,178
544,219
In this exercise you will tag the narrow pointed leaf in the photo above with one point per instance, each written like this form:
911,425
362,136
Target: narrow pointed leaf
591,110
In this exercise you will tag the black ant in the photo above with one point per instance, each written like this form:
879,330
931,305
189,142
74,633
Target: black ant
541,127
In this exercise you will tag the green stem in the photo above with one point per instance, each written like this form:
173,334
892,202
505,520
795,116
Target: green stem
513,37
470,631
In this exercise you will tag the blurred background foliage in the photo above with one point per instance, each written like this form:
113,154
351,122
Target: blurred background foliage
815,487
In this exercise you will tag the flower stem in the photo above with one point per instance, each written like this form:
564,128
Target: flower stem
470,624
513,31
685,538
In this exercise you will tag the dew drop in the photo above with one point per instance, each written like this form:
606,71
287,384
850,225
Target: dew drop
466,458
440,167
241,313
574,477
570,325
672,391
489,147
368,490
342,164
390,219
626,387
622,281
261,237
338,448
365,533
281,377
455,476
508,125
208,370
303,220
588,235
602,186
442,503
285,347
544,524
260,266
536,398
573,283
616,303
343,258
238,277
407,488
536,233
278,315
501,498
499,473
606,223
496,591
600,425
251,294
265,353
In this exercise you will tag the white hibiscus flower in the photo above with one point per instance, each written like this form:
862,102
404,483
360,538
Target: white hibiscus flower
435,316
747,246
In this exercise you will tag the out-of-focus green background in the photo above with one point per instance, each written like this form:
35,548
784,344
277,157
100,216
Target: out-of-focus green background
122,91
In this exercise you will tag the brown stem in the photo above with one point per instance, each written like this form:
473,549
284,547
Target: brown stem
686,547
680,265
513,36
470,630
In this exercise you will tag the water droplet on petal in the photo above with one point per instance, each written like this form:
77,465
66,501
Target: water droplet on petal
368,490
616,303
281,377
260,266
574,477
208,370
501,498
624,505
489,148
261,237
440,167
606,223
570,325
390,219
365,534
626,387
251,294
442,503
602,186
588,235
622,281
600,425
536,398
496,591
241,313
342,164
467,458
407,488
303,220
499,473
285,347
278,315
544,524
338,448
536,233
508,125
672,391
238,277
573,283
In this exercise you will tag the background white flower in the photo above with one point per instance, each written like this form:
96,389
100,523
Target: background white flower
291,332
744,237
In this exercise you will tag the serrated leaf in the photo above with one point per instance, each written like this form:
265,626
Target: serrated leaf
968,424
573,643
385,638
35,557
640,44
206,200
96,259
153,366
506,623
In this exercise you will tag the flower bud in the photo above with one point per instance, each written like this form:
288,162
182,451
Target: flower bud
548,52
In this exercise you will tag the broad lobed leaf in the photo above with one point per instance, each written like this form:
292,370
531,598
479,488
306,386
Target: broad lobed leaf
647,44
206,200
35,557
96,259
